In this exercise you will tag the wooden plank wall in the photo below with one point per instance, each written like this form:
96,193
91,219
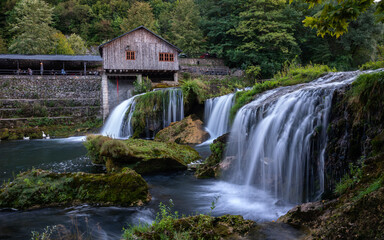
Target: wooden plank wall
147,48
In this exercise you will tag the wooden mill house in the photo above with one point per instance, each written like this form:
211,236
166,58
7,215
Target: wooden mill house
137,54
140,53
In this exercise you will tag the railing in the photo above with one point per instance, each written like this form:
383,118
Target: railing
47,72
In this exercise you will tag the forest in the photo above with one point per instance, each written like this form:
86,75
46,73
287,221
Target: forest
258,36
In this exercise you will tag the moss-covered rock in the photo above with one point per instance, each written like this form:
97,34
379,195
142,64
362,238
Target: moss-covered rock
190,130
195,227
144,156
151,108
211,166
38,188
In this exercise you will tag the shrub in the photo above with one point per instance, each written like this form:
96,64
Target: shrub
141,87
372,65
350,179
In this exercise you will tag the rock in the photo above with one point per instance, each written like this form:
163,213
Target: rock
39,188
143,156
190,130
198,227
213,165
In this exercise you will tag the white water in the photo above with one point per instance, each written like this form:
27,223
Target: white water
113,127
278,140
216,115
118,124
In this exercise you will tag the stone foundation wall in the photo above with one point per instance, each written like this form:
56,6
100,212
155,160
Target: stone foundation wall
68,97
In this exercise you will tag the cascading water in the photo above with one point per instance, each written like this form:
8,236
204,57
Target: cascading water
216,114
277,142
119,125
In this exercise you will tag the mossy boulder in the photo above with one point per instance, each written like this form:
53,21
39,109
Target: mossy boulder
39,188
190,130
196,227
143,156
211,166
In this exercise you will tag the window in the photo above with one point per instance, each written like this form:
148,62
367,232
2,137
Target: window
166,57
130,55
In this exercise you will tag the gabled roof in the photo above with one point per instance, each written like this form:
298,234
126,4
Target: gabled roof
141,27
82,58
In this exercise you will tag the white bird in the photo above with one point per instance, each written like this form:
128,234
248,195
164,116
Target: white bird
44,136
48,137
25,138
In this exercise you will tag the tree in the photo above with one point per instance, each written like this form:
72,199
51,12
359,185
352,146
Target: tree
77,43
73,17
185,31
61,46
266,36
139,14
31,26
335,16
219,17
3,47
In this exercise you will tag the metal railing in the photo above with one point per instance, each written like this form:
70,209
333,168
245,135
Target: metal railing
47,72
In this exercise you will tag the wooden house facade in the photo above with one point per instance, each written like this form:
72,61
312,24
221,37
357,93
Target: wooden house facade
140,52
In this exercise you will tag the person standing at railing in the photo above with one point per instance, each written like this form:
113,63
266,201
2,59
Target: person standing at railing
63,71
30,72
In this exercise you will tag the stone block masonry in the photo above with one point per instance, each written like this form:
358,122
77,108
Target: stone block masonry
68,97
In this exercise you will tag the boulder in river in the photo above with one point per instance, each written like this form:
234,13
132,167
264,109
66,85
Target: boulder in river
190,130
39,188
143,156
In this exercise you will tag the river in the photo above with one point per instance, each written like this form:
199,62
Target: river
189,195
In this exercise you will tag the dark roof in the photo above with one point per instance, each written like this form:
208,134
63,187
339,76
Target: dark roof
141,27
82,58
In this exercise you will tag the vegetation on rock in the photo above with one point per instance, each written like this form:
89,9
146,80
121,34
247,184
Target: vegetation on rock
291,74
143,156
169,225
39,188
190,130
149,110
211,166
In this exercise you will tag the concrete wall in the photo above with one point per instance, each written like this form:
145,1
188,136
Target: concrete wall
74,97
209,62
125,91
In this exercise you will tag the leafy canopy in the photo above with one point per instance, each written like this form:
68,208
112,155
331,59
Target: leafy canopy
32,28
335,16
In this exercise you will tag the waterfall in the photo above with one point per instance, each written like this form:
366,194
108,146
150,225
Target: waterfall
119,124
216,114
277,142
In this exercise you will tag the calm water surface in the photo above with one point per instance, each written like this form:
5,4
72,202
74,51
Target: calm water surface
189,195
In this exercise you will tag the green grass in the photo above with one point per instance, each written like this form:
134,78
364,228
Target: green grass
349,180
373,187
366,96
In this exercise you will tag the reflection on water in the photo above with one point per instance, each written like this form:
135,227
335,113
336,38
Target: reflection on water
189,195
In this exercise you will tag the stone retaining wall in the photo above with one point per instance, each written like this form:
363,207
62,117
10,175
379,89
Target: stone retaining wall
23,97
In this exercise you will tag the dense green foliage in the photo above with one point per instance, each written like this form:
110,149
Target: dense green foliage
39,188
257,36
335,16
